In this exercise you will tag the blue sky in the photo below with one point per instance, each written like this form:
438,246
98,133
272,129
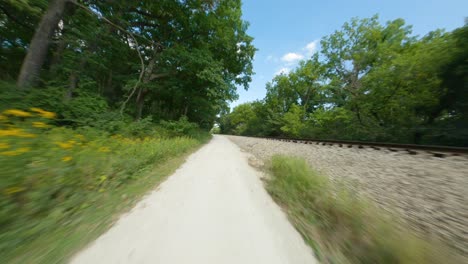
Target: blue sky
288,30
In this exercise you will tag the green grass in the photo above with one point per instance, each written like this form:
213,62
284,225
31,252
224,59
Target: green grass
60,187
341,226
58,245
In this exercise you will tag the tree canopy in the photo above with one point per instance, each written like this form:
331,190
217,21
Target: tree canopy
160,59
369,82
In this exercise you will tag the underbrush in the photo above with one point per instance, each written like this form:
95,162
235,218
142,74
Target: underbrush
53,177
342,227
90,111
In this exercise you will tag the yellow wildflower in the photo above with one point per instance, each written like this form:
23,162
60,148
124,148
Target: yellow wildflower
4,145
49,115
43,113
27,135
40,125
104,149
9,153
16,152
16,112
9,132
65,145
36,109
67,159
13,190
16,132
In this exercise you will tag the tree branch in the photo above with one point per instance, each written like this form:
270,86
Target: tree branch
132,36
12,18
159,75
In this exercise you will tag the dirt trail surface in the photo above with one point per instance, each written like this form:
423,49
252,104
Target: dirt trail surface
430,193
214,209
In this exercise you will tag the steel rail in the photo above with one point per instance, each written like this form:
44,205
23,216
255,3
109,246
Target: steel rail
437,151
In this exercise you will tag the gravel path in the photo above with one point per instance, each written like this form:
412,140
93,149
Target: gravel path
430,193
213,210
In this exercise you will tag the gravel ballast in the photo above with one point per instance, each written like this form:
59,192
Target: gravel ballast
430,193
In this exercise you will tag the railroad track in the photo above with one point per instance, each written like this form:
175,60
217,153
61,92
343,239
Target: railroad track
412,149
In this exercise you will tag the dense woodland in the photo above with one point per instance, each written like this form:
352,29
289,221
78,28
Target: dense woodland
94,62
100,101
370,81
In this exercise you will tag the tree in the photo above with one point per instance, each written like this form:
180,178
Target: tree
38,48
293,121
17,24
355,51
165,60
372,82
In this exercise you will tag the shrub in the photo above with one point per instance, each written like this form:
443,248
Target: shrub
141,128
82,110
215,130
180,127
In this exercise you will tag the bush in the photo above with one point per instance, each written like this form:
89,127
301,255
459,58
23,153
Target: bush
141,128
82,110
215,130
180,127
342,227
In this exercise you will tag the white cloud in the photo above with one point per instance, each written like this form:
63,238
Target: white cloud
311,48
292,57
283,71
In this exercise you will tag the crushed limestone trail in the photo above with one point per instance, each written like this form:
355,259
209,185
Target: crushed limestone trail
212,210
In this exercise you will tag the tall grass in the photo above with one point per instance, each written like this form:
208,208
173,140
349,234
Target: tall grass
55,178
342,227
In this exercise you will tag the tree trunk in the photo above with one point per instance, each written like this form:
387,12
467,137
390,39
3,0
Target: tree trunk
73,83
38,47
57,57
108,89
75,75
140,102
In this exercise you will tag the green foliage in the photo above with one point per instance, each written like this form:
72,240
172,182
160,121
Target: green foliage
88,110
51,174
185,72
333,123
140,129
293,121
370,82
180,127
18,19
240,118
215,130
340,226
247,119
84,109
